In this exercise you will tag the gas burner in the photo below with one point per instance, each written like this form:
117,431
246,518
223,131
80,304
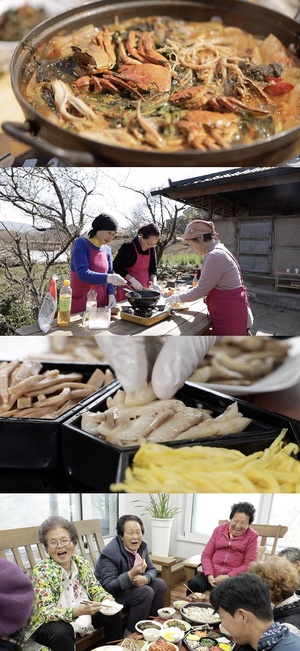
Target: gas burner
145,312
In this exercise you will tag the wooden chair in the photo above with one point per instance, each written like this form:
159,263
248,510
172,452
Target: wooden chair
265,531
23,544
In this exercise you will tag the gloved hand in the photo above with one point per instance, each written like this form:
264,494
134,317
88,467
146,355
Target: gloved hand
135,283
111,301
173,299
156,287
116,279
137,360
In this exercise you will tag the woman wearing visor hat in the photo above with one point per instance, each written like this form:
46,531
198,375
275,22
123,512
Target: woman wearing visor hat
221,282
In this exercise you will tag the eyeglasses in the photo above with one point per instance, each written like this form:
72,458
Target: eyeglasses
55,543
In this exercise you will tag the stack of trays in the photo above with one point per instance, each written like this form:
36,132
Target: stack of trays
98,464
34,443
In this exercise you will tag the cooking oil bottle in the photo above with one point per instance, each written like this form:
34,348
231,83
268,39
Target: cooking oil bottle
195,280
64,304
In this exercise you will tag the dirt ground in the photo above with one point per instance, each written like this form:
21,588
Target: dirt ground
275,320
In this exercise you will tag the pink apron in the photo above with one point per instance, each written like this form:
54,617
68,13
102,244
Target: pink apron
140,271
98,262
228,308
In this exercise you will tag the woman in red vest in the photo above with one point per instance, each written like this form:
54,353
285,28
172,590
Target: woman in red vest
221,282
91,264
136,260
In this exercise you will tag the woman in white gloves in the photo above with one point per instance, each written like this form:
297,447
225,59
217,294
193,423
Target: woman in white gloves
136,260
91,264
163,362
221,282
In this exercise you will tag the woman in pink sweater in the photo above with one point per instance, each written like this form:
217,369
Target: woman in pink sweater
221,282
230,550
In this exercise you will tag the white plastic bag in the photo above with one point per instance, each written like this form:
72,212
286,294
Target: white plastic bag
48,307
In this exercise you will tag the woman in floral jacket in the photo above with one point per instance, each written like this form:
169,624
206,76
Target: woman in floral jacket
67,595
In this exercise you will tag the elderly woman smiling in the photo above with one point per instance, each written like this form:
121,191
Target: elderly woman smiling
230,550
67,595
125,568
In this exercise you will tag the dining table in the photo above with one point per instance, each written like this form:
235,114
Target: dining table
191,320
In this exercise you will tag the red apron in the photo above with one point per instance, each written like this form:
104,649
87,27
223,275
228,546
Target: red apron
140,271
228,310
98,262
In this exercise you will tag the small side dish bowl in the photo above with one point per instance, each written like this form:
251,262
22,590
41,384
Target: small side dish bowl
173,634
180,623
179,603
143,624
151,634
166,613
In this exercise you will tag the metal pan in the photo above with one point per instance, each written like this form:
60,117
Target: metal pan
73,149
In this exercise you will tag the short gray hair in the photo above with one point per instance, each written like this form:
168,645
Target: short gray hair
291,553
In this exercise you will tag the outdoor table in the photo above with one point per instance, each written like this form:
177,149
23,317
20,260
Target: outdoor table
193,320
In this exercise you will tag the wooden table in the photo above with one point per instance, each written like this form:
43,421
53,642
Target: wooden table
191,321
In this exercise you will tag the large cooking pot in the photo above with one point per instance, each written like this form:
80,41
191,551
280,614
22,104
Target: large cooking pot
74,149
146,298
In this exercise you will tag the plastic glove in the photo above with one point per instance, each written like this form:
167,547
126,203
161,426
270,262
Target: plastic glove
116,279
135,283
156,287
173,299
137,360
111,301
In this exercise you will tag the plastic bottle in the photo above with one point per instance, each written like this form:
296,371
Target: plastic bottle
195,280
64,304
48,307
91,299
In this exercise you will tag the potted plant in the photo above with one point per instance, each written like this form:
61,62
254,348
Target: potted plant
162,513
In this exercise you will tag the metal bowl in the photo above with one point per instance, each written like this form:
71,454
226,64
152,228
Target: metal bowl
189,613
147,298
40,133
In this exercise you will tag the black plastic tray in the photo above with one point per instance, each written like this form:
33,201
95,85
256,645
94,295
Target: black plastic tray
99,464
35,443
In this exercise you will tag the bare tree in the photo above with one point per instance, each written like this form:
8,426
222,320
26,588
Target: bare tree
55,202
161,210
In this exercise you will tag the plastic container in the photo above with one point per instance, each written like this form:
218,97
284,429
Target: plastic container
64,305
84,454
91,299
34,443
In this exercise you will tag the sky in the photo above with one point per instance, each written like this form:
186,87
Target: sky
120,199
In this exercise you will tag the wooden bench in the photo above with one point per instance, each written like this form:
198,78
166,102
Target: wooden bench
23,544
265,532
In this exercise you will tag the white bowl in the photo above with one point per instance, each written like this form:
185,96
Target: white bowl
151,634
179,603
173,634
180,623
143,624
166,613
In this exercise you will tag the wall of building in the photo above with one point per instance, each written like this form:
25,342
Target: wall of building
284,241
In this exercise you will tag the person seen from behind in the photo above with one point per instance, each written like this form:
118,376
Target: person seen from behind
244,605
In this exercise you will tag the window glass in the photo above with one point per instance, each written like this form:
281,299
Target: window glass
285,510
207,510
31,509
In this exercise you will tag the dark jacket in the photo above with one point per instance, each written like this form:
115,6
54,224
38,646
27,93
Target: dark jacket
288,613
113,566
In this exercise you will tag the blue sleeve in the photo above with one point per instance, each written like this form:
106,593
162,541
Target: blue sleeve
110,287
80,261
